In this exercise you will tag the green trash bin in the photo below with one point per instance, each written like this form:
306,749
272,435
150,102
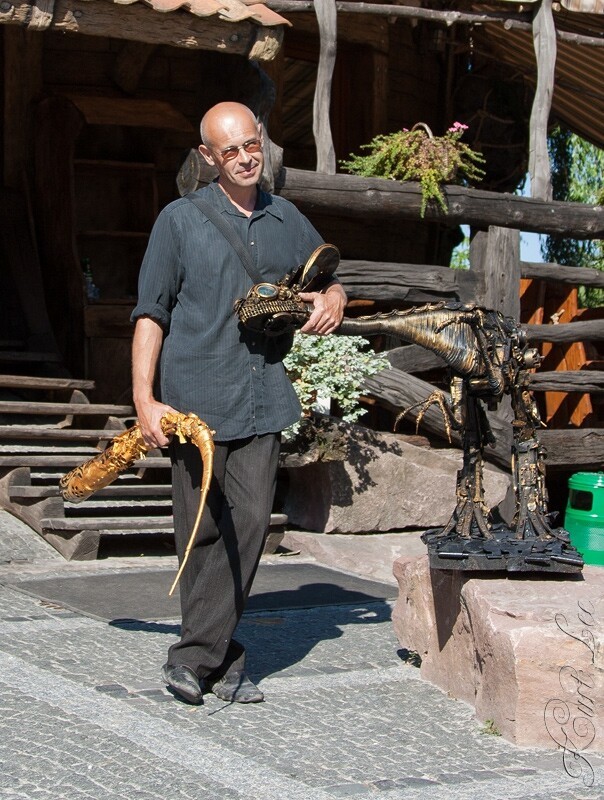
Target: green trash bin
584,518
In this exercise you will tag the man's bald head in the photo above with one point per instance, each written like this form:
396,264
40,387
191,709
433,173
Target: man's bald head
232,143
223,118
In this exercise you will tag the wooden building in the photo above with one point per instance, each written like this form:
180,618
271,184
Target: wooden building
100,112
101,101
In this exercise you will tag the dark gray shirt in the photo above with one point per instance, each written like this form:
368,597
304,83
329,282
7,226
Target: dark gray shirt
189,280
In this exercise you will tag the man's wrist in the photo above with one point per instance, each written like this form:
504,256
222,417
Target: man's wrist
142,399
332,288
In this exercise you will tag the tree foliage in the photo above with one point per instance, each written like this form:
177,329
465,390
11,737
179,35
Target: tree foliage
577,169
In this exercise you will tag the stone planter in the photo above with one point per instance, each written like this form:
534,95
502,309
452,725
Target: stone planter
527,652
382,482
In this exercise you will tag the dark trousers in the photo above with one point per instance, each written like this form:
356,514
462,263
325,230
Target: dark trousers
221,567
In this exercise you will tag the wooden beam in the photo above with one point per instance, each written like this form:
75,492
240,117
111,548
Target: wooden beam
400,390
354,197
510,21
578,449
581,448
327,20
586,380
591,331
43,433
69,461
139,23
34,382
495,259
385,281
413,358
54,409
544,38
578,276
410,12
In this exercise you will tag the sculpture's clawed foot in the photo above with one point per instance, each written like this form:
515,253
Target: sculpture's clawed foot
438,399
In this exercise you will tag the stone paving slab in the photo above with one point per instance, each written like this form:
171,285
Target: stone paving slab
84,714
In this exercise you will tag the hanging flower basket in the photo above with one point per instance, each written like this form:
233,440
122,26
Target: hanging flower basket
418,155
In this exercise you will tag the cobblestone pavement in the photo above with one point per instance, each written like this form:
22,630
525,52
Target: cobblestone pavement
84,714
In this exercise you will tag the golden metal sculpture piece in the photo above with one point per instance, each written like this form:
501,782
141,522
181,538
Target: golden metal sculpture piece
274,308
127,448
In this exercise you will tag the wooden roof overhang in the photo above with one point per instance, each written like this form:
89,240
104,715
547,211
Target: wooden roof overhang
555,44
577,99
240,27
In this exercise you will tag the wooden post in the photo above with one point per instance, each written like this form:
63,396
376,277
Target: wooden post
496,258
544,37
327,20
58,123
379,100
22,84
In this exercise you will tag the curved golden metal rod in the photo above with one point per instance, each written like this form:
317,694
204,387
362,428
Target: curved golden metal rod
200,435
126,448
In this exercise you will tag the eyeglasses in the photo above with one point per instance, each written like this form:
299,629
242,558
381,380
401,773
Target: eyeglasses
251,146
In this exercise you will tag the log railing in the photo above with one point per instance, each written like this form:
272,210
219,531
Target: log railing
353,197
493,280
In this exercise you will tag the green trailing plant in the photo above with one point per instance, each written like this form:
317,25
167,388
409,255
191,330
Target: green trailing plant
331,367
490,728
418,155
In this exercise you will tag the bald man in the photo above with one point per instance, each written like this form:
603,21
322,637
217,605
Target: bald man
232,378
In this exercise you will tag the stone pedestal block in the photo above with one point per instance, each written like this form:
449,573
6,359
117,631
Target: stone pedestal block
384,484
526,651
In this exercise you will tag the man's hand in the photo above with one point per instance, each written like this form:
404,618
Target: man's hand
328,309
149,414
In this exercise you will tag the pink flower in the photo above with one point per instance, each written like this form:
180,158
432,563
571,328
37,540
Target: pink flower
457,127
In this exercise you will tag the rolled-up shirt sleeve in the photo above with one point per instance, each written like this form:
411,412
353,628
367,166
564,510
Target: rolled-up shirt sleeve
160,273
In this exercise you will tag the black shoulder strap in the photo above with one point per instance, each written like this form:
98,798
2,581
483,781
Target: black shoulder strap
230,234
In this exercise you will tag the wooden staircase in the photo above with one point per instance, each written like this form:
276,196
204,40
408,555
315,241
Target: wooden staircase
42,439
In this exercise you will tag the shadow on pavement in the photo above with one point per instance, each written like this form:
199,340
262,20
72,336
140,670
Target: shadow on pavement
278,640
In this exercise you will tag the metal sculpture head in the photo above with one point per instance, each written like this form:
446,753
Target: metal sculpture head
276,308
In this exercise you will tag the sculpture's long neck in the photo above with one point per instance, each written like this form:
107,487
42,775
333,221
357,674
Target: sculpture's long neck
437,329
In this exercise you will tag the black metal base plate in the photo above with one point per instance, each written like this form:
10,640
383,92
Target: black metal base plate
502,553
